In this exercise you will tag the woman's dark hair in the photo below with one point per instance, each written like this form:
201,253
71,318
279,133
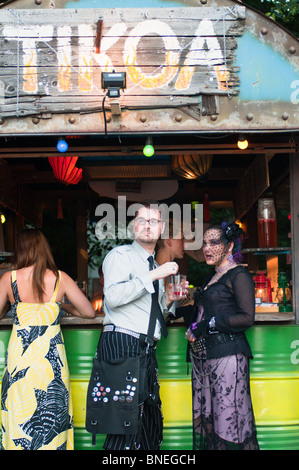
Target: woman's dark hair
34,250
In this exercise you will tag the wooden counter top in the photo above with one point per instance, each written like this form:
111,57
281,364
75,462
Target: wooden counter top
70,320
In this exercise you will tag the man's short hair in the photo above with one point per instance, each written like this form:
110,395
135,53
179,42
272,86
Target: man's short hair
152,204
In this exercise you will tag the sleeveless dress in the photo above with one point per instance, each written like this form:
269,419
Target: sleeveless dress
36,402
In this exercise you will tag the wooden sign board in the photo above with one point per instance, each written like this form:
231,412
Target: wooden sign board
51,60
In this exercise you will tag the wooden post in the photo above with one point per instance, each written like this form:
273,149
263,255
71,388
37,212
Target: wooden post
82,246
294,202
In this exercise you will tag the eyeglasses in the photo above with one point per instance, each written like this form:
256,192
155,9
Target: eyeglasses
152,222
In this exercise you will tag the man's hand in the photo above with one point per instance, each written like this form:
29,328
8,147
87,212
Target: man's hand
166,269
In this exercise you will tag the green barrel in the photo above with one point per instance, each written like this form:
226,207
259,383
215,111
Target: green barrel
274,380
175,390
175,386
81,345
4,338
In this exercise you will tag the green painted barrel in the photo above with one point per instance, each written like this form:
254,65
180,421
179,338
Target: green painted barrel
81,345
175,386
274,379
4,338
175,390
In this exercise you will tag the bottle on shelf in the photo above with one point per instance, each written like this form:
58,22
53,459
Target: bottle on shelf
267,225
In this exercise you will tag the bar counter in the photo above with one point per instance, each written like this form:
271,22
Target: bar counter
274,379
70,320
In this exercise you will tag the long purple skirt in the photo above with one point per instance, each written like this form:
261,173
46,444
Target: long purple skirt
223,416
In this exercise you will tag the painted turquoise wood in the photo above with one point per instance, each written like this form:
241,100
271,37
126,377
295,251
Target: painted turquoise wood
265,74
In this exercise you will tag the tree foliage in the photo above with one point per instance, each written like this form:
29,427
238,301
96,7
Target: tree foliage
285,12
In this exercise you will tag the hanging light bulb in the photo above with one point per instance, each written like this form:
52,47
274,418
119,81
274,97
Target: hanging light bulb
148,149
62,145
242,142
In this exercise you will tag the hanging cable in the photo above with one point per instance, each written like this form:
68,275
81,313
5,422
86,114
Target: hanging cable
104,115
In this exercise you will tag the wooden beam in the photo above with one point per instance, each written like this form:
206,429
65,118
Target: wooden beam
133,150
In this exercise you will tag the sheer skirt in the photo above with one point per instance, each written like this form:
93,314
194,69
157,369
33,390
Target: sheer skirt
222,409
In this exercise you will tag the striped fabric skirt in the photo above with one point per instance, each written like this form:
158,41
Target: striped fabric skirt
115,345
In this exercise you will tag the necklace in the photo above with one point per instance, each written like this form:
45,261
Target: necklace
226,267
220,270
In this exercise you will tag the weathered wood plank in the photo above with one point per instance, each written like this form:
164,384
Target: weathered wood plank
74,16
49,56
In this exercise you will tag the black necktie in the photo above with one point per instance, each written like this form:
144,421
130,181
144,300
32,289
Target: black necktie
155,308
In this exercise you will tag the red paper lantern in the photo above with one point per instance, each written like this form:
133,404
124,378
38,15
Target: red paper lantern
65,170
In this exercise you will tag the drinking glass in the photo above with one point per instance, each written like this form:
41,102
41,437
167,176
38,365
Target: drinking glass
179,285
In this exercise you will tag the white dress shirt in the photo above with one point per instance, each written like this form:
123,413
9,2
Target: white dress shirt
128,288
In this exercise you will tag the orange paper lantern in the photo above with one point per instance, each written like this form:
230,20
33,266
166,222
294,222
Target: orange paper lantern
191,166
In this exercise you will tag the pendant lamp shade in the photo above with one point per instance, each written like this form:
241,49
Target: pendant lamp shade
65,170
191,166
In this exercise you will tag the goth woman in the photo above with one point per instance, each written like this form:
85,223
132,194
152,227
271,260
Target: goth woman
219,351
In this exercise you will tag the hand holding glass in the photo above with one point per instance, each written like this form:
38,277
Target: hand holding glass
179,285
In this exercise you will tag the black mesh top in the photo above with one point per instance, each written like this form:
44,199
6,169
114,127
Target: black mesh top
231,301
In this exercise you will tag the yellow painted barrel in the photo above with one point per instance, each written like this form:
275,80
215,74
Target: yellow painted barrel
274,380
81,345
175,390
175,387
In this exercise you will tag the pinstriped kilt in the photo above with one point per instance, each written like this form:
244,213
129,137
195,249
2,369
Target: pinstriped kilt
114,345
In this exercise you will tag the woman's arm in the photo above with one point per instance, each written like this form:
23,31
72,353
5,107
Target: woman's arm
79,303
243,316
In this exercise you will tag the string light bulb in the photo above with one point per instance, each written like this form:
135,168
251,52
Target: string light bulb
148,149
62,145
242,142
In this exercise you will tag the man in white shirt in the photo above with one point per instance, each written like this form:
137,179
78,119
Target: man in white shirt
128,289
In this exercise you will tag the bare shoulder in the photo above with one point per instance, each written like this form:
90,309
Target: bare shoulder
66,281
64,277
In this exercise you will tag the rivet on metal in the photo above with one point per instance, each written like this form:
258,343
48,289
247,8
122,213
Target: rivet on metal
178,117
249,116
264,31
72,120
142,118
292,50
285,116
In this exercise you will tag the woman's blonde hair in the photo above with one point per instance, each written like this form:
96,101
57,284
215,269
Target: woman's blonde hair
33,250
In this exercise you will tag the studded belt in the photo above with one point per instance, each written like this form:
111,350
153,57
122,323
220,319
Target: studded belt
144,339
219,338
119,329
